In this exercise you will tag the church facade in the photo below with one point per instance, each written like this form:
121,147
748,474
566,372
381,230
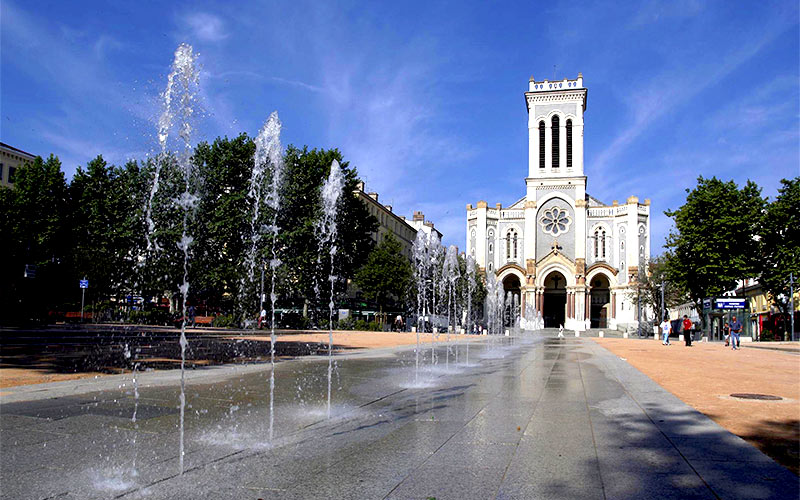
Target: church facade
567,255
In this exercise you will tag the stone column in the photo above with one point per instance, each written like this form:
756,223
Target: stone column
613,305
587,306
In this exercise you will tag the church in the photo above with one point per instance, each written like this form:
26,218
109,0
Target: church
568,257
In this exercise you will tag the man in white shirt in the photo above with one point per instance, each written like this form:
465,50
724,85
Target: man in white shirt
666,329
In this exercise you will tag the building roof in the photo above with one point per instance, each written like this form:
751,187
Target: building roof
17,150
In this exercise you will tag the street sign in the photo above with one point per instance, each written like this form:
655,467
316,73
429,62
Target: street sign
706,303
730,303
30,270
84,283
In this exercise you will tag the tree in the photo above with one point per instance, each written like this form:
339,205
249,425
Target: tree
35,232
648,286
305,172
780,243
714,244
386,274
107,230
223,218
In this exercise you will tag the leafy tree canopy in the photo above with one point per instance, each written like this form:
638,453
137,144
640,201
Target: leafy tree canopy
386,274
714,242
780,242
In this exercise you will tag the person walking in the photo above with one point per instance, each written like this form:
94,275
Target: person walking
262,316
736,329
727,331
687,330
666,329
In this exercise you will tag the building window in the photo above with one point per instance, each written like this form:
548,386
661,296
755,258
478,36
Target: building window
541,144
11,172
511,244
569,143
1,171
554,138
600,244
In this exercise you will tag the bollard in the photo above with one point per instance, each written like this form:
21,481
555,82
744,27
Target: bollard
507,334
680,337
624,335
463,331
601,334
413,329
577,333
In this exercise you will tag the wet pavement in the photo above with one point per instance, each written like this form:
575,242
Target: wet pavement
526,418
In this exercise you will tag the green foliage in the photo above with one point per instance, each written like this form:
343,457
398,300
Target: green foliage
780,243
35,231
714,243
386,275
225,321
301,207
107,230
222,232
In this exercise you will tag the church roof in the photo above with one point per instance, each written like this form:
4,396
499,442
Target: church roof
593,202
520,203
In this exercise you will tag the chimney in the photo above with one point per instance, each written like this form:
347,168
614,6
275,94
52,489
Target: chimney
374,196
360,185
419,216
388,207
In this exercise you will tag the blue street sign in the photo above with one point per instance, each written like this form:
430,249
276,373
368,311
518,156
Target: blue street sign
84,283
730,303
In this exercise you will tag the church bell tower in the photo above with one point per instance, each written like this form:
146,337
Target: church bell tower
555,128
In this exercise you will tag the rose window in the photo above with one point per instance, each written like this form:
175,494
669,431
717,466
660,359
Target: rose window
555,221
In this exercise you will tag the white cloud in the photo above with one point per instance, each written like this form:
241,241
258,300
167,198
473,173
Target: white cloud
205,27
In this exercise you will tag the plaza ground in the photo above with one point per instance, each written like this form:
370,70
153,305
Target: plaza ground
706,374
534,417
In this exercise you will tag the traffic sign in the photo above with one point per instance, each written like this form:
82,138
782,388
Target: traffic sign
84,283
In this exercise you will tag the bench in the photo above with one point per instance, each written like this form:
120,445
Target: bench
77,315
203,320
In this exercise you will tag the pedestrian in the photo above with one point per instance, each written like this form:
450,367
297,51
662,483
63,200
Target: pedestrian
727,331
561,331
262,316
736,329
666,329
687,330
191,315
398,323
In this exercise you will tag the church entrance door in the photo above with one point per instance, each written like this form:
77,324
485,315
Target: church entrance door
554,308
512,285
601,302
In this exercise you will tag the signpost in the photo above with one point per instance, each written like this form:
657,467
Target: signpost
84,284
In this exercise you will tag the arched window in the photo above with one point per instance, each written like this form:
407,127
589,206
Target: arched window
541,144
554,137
599,244
569,143
511,244
515,244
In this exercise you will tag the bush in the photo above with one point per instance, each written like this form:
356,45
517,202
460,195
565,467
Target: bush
347,323
374,326
224,321
295,321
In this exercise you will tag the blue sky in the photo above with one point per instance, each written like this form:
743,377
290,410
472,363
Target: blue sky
425,98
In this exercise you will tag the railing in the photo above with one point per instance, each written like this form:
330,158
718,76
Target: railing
512,214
